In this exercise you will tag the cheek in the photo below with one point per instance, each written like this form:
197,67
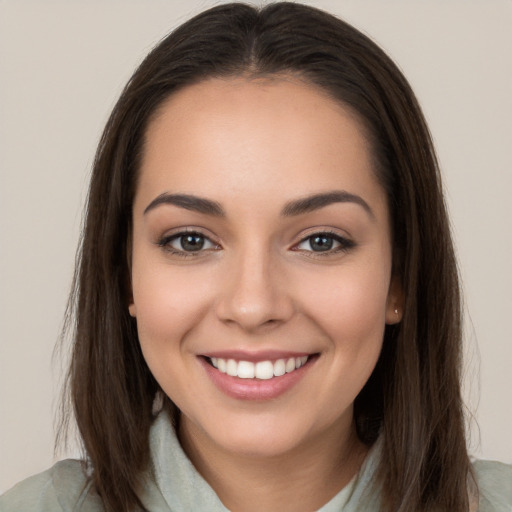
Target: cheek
353,303
351,316
349,308
168,305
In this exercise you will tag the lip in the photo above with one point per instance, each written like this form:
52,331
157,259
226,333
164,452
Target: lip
254,357
256,389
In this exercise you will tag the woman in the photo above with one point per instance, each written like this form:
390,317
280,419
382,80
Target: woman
267,286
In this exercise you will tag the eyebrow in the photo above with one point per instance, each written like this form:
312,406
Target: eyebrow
293,208
188,202
317,201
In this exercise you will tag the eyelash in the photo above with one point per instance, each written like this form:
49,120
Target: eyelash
344,244
165,243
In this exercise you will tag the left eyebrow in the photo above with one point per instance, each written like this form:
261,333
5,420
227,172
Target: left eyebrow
316,201
188,202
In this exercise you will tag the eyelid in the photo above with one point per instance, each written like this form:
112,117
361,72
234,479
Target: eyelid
165,241
322,230
178,236
345,242
308,238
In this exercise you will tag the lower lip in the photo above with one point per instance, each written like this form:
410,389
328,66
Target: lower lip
256,389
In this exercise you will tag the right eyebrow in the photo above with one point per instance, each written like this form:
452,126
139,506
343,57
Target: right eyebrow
188,202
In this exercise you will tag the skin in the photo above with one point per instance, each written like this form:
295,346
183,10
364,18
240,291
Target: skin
252,146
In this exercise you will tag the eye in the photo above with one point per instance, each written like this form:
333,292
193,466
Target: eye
325,243
187,242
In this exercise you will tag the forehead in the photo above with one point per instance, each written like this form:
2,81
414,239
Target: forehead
259,101
278,137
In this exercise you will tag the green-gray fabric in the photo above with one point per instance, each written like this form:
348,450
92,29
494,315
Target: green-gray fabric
173,485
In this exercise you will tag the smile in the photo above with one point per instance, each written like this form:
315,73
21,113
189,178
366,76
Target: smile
263,370
257,376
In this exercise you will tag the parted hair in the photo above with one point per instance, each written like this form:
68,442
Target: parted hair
412,400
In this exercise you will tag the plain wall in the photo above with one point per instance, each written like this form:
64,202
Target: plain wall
62,66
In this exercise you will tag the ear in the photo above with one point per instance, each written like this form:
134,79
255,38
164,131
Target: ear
395,302
132,309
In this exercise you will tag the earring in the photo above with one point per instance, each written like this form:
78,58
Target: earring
396,311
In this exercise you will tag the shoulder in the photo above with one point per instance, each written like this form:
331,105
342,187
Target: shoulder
494,481
64,487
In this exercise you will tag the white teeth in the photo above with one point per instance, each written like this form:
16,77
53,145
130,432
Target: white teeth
279,368
232,367
262,370
245,370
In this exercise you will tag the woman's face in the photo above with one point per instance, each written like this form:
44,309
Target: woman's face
261,263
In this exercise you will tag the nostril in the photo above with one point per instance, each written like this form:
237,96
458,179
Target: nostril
253,304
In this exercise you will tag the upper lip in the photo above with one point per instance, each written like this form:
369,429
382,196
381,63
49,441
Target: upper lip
255,356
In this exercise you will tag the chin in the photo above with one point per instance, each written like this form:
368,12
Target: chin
261,443
264,434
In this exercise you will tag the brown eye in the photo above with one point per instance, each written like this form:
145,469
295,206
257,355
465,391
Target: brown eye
186,243
191,242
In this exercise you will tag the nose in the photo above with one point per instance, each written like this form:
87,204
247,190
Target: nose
254,293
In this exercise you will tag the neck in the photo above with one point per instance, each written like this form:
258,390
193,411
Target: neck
304,479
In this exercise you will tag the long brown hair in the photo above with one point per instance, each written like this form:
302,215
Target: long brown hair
413,397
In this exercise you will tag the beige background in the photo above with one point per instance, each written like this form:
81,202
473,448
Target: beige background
62,65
